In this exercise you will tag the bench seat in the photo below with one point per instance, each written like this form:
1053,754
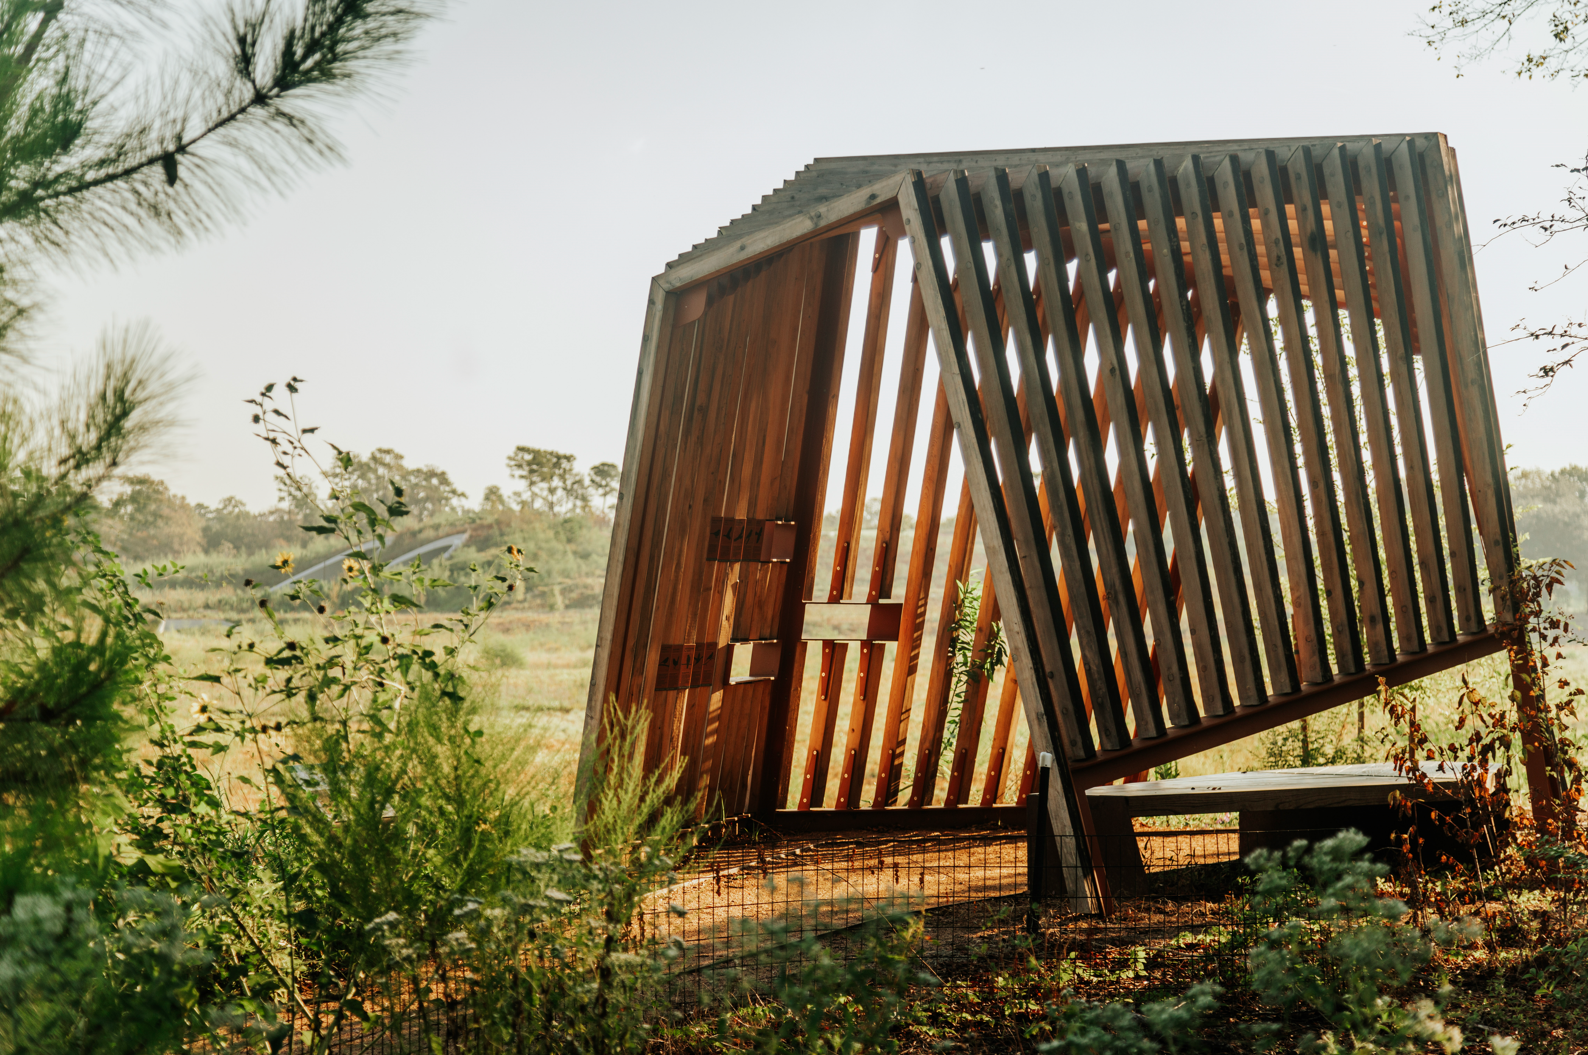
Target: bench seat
1275,805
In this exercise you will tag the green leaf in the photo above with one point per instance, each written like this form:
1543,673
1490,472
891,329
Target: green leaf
318,529
160,865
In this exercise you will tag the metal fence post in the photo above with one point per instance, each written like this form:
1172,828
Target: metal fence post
1038,835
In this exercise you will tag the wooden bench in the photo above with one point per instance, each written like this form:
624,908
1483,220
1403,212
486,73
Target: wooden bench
1275,806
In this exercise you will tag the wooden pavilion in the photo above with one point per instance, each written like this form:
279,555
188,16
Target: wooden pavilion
1226,440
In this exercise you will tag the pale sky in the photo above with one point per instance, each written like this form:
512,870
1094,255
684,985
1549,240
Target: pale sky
475,277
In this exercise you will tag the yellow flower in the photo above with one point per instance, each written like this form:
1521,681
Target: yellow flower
514,553
350,567
283,562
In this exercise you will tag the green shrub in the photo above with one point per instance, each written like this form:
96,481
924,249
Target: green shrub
117,977
543,959
1081,1027
1348,955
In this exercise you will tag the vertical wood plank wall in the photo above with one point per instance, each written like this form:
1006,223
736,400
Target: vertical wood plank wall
1253,394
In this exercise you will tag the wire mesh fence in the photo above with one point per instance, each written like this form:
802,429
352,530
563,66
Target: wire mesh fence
750,902
744,905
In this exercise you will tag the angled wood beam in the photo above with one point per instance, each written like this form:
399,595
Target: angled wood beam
1039,682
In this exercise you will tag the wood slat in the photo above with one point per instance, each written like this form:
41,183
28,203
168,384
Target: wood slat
762,584
1312,232
1047,427
901,447
957,569
1037,580
824,720
801,450
1117,498
934,709
627,684
1306,615
1213,301
1399,562
967,735
828,316
1092,268
862,431
862,715
862,710
695,500
1429,334
732,455
1224,552
1468,361
1316,467
1172,479
1395,311
1037,691
917,590
752,611
1002,754
1100,519
642,646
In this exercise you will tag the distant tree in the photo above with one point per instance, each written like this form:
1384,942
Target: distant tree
428,491
1546,40
1552,514
551,484
230,527
604,478
145,521
493,501
299,506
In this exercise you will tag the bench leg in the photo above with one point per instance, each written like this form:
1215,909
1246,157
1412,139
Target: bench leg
1120,855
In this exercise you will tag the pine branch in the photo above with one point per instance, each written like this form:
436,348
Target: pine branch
89,156
30,50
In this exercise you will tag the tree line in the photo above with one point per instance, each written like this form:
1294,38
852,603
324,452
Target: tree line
143,519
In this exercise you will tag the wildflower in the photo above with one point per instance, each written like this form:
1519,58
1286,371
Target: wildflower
381,922
349,567
283,562
514,553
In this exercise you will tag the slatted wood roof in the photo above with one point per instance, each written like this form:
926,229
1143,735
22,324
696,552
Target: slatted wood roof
1262,477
